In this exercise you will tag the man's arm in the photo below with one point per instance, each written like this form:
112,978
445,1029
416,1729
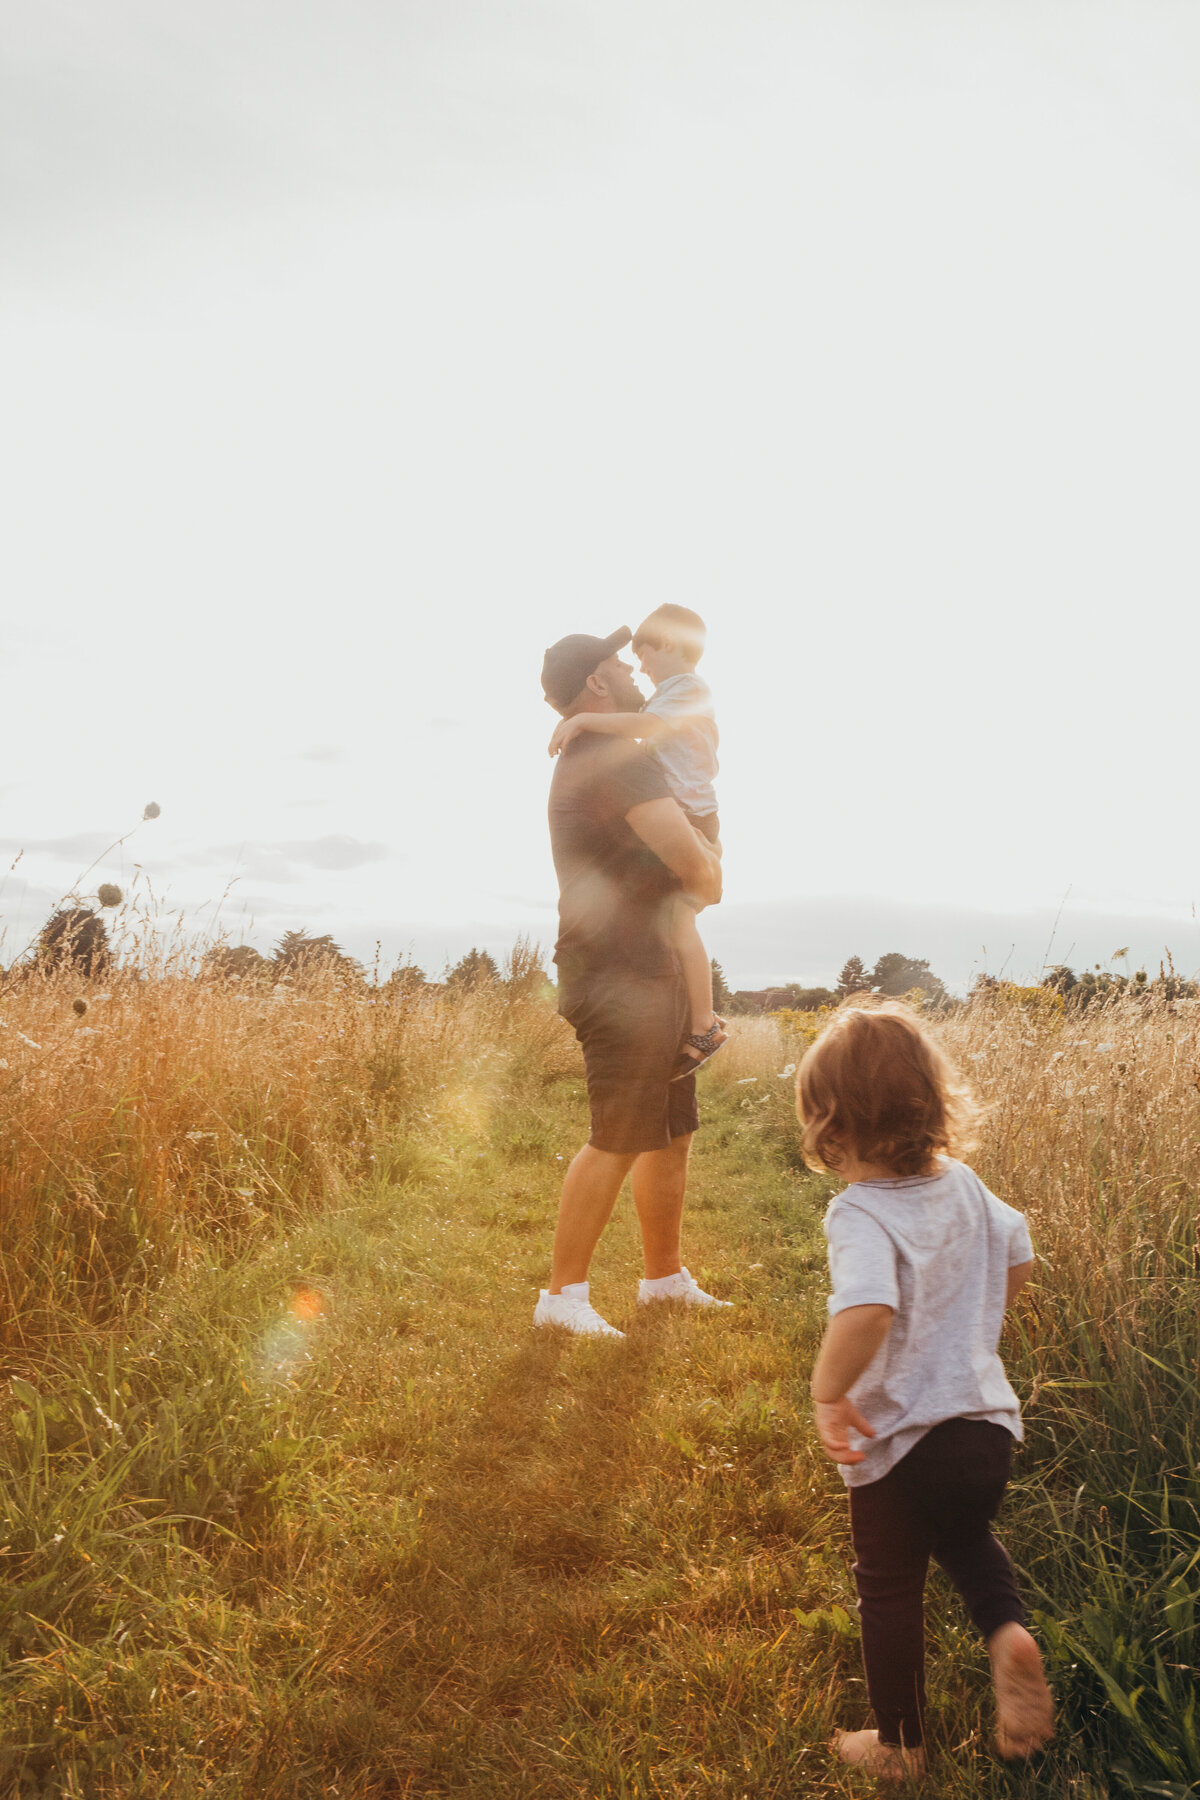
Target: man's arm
663,828
644,726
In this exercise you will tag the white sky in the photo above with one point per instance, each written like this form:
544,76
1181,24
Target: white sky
350,354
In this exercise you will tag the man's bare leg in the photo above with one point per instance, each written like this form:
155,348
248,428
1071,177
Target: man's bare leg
659,1180
589,1194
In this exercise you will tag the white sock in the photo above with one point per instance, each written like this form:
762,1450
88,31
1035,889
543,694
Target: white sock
661,1284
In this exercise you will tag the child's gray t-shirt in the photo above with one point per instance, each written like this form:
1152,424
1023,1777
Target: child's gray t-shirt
936,1249
689,756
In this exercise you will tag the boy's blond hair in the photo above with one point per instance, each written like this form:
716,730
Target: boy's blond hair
876,1087
678,626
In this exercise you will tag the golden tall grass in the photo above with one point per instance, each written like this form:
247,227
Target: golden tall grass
138,1112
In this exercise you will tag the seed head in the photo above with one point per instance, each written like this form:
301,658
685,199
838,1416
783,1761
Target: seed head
79,1006
109,894
152,810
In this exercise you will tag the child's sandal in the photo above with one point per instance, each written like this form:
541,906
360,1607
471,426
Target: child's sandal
707,1043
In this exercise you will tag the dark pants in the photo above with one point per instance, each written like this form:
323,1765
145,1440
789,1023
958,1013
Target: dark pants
938,1501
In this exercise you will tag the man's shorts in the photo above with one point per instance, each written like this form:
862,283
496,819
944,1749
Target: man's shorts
631,1028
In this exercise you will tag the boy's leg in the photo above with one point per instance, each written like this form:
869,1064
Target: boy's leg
968,1470
965,1465
891,1557
697,969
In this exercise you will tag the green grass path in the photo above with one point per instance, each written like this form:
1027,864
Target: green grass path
412,1548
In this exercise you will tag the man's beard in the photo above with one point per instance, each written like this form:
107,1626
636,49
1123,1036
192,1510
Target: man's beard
631,700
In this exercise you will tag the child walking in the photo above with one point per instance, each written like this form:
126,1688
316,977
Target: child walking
679,722
911,1398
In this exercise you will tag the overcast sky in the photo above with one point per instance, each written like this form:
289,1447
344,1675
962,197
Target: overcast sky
351,353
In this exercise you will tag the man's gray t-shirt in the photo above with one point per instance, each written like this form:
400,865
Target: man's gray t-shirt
936,1249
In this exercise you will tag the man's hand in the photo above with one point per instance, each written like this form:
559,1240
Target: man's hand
565,732
836,1419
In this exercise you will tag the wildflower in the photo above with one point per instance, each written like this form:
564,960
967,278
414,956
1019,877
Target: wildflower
745,1081
109,894
1058,1056
789,1069
1103,1049
152,810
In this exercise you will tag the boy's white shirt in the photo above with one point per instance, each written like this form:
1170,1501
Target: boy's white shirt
689,755
936,1249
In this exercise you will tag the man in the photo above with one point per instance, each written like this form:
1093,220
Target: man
622,849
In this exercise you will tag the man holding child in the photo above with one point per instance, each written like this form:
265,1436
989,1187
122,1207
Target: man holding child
624,851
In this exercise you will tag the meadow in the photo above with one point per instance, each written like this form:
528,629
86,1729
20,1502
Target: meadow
296,1504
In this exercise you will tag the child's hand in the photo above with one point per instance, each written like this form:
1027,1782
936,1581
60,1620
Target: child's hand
835,1420
565,732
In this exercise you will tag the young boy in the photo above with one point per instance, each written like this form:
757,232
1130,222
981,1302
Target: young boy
910,1394
679,723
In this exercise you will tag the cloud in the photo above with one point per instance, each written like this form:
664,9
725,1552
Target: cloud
285,862
81,848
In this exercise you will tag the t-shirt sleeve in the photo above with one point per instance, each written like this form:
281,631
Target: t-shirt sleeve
635,779
1020,1244
862,1261
683,697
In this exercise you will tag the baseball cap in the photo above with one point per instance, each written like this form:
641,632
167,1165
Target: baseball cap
568,663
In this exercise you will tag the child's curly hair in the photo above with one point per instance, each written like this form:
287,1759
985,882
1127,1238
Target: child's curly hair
875,1086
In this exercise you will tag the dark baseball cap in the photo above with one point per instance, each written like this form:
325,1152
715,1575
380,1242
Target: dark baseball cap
568,663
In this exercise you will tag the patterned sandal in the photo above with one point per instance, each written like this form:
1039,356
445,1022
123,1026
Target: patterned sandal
707,1043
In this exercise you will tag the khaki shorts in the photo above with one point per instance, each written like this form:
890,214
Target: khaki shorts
631,1028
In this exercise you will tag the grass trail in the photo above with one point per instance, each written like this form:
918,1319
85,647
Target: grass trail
407,1547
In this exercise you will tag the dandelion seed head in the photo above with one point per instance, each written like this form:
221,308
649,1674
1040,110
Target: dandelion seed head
109,894
152,810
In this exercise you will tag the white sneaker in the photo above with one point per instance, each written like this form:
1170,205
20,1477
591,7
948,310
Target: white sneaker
572,1311
677,1287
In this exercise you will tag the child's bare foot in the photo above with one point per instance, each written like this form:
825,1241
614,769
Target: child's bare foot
863,1750
1024,1704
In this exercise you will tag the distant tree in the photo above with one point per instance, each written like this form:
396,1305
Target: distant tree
722,997
1060,979
473,970
894,974
296,953
812,999
405,978
235,962
853,978
77,938
524,973
793,997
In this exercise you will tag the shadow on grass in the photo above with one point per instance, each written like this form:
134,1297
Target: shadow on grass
551,1450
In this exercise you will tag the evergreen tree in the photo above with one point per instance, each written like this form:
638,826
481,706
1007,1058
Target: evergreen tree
853,978
476,967
722,998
